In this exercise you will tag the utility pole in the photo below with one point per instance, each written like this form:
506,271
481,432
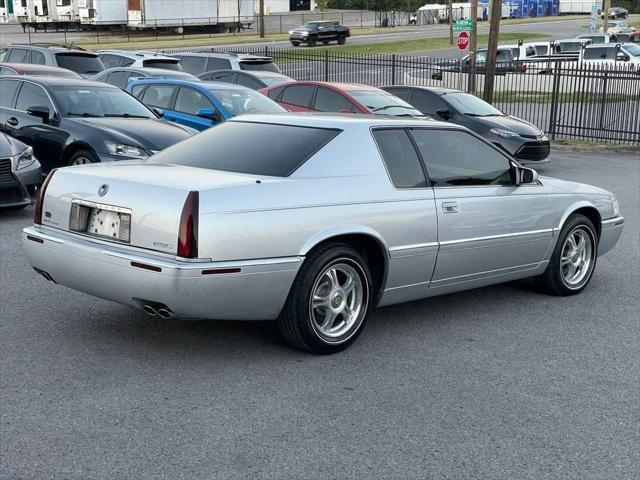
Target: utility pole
473,47
492,50
605,15
450,15
261,19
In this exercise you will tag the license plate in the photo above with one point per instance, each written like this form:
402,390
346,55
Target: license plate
101,220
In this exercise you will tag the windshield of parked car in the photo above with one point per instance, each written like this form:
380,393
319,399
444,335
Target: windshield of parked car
383,103
80,63
471,105
237,102
251,148
633,50
90,101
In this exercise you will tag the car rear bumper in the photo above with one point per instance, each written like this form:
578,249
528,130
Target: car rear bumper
610,233
237,290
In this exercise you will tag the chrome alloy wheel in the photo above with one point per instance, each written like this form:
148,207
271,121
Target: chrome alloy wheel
80,160
338,298
577,257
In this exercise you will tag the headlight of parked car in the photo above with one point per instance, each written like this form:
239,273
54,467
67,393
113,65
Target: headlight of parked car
504,133
616,206
25,158
125,150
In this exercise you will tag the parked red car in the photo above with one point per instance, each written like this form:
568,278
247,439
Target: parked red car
338,97
8,69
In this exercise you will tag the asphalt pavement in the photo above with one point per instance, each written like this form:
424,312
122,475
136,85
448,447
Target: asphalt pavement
495,383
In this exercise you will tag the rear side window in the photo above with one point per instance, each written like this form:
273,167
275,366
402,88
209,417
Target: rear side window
455,158
299,95
190,100
137,90
159,96
193,65
428,103
166,64
215,63
600,53
275,93
118,78
80,63
31,95
252,148
403,93
8,90
226,77
110,61
400,158
37,58
329,101
17,55
247,81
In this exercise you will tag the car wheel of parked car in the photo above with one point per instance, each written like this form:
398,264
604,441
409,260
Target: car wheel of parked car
573,260
295,44
83,157
341,40
328,304
312,42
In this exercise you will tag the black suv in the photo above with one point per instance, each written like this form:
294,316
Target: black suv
76,59
323,31
73,121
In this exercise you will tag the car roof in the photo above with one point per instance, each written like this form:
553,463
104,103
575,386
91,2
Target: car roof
142,55
52,47
31,67
157,71
340,120
193,83
63,81
439,90
337,85
239,56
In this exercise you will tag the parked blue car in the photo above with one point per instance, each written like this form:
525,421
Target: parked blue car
200,105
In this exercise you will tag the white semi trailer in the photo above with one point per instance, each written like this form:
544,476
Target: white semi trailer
102,12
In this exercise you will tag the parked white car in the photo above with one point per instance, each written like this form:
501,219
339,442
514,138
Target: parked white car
610,54
617,26
122,58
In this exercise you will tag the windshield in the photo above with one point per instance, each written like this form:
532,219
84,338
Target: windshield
80,63
383,103
237,102
252,148
90,101
633,50
161,63
471,105
275,80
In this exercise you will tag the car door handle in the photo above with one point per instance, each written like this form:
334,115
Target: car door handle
450,207
13,121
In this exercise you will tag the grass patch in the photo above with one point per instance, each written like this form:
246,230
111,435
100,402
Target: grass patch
195,40
594,145
565,97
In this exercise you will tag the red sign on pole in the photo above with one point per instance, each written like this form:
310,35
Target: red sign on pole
463,40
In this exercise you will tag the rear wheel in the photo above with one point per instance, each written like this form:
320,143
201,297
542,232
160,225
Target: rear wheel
295,44
83,157
312,42
329,301
341,40
574,258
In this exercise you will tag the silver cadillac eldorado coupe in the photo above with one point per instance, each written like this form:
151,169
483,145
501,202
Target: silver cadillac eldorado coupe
312,220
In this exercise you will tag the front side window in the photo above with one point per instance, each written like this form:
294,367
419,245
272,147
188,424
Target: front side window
37,58
455,158
159,95
17,55
600,53
471,105
237,102
251,148
226,77
6,71
299,95
215,63
428,103
247,81
110,61
190,100
400,158
118,78
383,103
193,65
8,89
31,95
329,101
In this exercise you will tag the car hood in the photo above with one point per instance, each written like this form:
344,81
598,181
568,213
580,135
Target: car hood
148,133
514,124
300,29
555,185
10,147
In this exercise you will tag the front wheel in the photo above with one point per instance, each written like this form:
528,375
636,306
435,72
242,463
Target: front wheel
295,44
312,42
83,157
329,301
341,40
574,258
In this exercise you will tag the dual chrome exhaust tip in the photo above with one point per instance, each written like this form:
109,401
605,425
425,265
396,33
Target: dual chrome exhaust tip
155,309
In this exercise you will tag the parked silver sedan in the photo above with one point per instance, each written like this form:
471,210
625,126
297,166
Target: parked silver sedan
313,220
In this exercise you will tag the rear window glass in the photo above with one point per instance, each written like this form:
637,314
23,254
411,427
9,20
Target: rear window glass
83,64
166,64
604,53
252,148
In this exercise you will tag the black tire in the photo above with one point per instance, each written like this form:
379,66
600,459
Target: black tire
295,44
297,322
552,280
81,155
326,42
312,42
341,40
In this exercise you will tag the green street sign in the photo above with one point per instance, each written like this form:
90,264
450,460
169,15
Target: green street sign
463,25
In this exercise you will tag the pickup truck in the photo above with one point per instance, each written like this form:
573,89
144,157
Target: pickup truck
611,54
505,63
323,31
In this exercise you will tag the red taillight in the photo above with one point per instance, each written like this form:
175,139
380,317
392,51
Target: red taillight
188,232
37,213
524,68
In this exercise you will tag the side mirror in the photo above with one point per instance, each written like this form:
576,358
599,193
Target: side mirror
209,114
524,175
41,112
158,111
444,113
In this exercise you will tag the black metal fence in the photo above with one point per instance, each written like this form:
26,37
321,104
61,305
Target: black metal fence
563,98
